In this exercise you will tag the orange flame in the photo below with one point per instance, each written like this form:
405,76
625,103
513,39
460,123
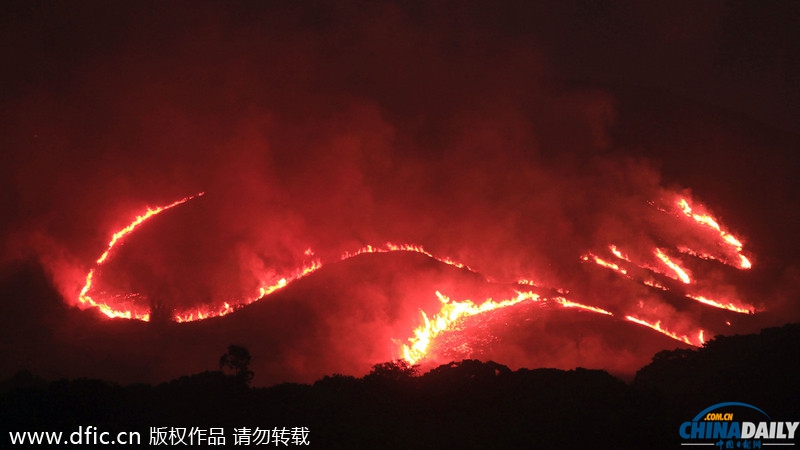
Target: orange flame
655,284
84,298
389,247
570,304
657,326
605,264
707,220
138,221
744,263
618,253
273,285
679,271
742,309
265,289
451,311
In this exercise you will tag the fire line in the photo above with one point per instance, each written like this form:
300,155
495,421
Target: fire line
451,312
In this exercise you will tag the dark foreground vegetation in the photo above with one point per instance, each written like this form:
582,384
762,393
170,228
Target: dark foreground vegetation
468,404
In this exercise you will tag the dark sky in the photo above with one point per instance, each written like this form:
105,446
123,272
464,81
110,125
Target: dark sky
510,136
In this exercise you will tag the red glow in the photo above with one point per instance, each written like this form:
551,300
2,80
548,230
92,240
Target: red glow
730,306
138,221
680,272
708,221
389,247
618,253
609,265
417,347
657,327
570,304
85,300
450,312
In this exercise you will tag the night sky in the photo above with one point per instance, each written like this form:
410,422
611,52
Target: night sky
511,137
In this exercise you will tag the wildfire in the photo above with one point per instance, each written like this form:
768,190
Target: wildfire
679,271
389,247
618,253
84,298
138,221
744,263
450,312
603,263
657,326
708,221
655,284
570,304
729,306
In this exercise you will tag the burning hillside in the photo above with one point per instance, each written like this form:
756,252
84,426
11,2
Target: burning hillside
197,168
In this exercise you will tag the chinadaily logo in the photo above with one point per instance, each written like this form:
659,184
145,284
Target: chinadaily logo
737,425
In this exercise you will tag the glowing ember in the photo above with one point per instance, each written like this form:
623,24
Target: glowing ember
679,271
657,326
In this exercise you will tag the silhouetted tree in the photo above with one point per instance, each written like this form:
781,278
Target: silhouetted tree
396,370
237,360
160,312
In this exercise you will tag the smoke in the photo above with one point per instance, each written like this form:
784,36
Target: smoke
325,127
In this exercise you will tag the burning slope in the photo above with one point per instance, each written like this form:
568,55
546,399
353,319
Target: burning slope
453,312
128,311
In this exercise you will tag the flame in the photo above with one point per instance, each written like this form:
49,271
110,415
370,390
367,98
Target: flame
707,220
266,288
273,285
83,297
604,263
745,309
679,271
657,326
655,284
389,247
744,263
570,304
618,253
451,311
87,301
138,221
